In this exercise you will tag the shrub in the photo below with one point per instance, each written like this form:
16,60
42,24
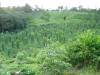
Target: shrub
52,60
29,69
85,50
24,58
21,57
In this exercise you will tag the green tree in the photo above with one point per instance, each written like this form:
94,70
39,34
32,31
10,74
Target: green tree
60,8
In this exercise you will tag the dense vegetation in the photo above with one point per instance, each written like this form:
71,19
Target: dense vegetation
49,42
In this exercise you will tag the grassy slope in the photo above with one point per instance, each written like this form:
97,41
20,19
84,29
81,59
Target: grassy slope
45,27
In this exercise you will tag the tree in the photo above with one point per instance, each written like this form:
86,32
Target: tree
66,8
27,8
80,7
74,9
60,8
11,21
2,11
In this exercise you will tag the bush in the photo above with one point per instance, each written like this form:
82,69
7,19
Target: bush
29,69
85,50
21,57
52,60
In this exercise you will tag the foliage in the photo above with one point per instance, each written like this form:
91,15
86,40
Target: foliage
12,19
23,57
53,61
85,49
36,45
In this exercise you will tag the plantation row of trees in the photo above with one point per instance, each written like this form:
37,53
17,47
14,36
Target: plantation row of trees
13,18
56,58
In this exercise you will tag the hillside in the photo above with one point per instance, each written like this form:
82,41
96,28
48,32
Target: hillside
51,43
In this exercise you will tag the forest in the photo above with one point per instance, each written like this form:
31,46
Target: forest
35,41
